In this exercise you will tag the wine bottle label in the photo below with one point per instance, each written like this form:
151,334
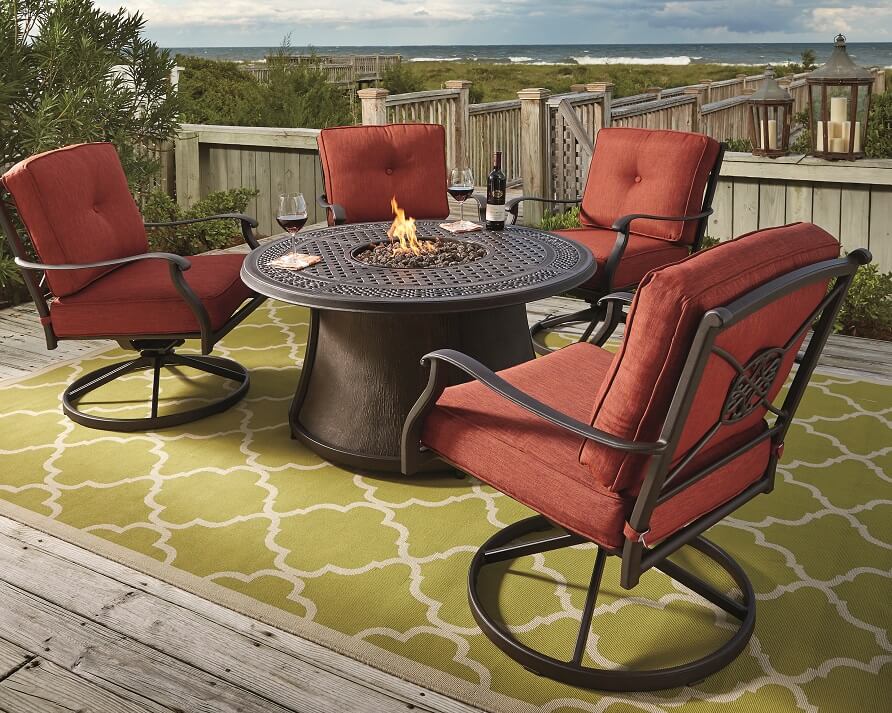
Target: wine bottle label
495,213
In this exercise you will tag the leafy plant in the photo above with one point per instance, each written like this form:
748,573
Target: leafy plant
214,92
879,129
401,79
743,145
867,310
560,220
199,237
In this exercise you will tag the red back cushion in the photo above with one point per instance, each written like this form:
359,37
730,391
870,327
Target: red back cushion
664,317
77,208
366,166
648,171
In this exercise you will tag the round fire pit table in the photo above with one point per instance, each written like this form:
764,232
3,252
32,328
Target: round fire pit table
370,324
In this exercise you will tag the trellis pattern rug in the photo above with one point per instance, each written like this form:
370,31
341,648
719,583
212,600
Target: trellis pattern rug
231,508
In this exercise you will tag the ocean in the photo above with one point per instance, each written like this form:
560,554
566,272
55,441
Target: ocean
754,54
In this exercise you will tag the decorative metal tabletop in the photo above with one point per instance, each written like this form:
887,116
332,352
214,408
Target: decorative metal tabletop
520,265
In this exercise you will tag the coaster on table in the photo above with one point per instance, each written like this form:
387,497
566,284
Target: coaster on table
295,261
461,226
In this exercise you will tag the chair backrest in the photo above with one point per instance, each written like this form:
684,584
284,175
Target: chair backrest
650,171
365,166
664,318
76,206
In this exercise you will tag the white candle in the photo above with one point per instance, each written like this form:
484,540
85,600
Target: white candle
857,136
839,108
819,137
839,145
772,134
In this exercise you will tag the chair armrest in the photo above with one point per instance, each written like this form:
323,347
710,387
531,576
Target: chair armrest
340,215
512,205
624,298
247,223
494,382
481,205
622,225
179,261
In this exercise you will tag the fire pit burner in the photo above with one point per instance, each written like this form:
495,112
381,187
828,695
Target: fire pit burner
434,253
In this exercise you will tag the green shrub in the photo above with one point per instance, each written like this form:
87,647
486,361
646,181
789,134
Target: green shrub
192,239
867,311
215,92
744,145
879,130
560,220
401,79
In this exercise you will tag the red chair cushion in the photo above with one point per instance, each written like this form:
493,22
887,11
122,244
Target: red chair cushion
648,171
77,208
140,299
663,319
366,166
640,257
537,463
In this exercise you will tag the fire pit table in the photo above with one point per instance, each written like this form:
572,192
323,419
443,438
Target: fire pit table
371,324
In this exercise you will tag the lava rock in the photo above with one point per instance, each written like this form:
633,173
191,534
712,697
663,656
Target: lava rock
448,252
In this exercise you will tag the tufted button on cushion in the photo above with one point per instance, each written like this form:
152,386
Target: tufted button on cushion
412,158
77,207
676,165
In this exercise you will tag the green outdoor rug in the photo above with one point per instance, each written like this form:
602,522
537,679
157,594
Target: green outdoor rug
233,509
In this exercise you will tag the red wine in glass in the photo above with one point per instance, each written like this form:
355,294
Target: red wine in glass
461,193
461,186
292,214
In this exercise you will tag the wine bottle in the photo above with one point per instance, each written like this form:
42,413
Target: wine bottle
496,185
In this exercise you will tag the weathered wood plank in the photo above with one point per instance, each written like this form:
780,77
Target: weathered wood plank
798,202
825,210
881,226
854,219
746,206
12,658
117,663
259,634
44,687
184,634
772,204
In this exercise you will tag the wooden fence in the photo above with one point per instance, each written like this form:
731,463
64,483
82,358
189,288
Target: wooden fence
272,161
493,127
851,200
573,124
347,69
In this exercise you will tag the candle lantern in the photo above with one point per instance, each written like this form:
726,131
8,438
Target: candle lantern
839,106
771,112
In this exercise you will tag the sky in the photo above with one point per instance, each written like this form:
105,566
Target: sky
191,23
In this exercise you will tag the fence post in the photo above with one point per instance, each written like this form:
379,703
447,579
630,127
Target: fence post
187,169
374,106
607,88
461,125
698,91
534,167
707,84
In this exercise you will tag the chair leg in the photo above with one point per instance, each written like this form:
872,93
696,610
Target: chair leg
573,671
155,358
591,315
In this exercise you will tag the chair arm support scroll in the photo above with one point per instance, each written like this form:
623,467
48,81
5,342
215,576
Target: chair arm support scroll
472,367
340,215
623,225
247,223
512,206
177,260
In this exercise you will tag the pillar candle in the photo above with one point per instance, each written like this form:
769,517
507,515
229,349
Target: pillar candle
839,145
839,108
772,134
857,136
819,136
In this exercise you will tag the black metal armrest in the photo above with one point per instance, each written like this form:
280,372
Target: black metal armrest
622,225
247,223
178,261
494,382
340,215
624,298
481,205
512,206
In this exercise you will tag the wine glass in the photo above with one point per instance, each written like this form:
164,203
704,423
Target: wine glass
461,186
292,215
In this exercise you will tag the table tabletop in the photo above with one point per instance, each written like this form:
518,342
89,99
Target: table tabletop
521,265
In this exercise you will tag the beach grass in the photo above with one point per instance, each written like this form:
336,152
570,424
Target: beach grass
498,82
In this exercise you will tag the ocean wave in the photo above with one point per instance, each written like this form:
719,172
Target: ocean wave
436,59
678,60
521,59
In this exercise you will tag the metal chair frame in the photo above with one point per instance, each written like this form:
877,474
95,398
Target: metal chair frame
607,313
155,350
661,483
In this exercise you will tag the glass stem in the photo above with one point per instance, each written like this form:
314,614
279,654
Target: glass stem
461,211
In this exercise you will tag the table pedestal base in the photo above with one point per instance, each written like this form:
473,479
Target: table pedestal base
362,374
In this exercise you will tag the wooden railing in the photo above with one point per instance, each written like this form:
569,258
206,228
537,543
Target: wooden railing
573,123
347,69
270,160
677,112
494,127
726,119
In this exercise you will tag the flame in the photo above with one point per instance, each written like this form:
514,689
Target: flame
403,229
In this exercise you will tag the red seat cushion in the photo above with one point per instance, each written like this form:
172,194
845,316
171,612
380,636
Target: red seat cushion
648,171
140,299
537,463
366,166
661,325
77,208
640,256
